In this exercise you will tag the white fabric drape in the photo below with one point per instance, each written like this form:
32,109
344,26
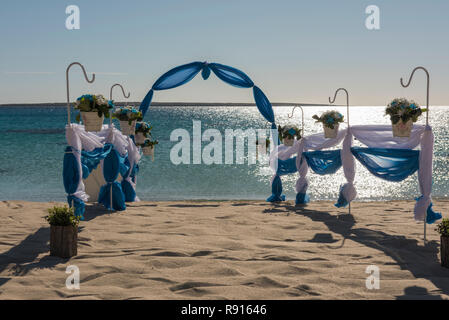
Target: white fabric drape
347,159
318,142
380,136
425,174
79,139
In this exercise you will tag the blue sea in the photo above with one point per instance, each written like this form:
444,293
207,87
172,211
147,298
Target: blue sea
33,141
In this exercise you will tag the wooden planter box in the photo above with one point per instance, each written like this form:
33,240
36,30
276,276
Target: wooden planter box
445,252
63,241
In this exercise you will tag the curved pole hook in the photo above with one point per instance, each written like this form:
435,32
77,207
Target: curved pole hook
347,102
110,97
67,84
123,91
302,114
428,86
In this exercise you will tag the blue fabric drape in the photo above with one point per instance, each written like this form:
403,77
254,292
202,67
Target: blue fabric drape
276,190
388,164
91,159
183,74
111,169
128,190
231,76
323,162
70,177
178,76
286,166
263,104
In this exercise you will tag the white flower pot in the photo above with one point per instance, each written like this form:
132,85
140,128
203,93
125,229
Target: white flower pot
128,129
288,141
139,138
91,121
401,129
331,133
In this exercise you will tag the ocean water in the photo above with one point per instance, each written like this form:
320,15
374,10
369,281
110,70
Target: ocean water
33,141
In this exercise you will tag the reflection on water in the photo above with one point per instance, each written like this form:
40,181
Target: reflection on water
31,156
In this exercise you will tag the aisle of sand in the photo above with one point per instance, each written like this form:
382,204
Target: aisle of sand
225,250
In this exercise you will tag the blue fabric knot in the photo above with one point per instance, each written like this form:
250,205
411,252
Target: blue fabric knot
341,202
276,190
78,204
302,198
431,215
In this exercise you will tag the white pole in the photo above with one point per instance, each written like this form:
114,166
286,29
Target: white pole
427,117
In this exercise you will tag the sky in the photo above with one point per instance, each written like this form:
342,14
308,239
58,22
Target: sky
295,51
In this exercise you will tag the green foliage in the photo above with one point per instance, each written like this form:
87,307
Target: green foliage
62,216
401,108
443,227
289,131
144,128
149,143
128,113
329,118
93,103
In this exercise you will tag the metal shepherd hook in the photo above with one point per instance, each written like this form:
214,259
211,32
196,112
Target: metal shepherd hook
302,115
67,84
427,115
110,96
347,116
428,86
347,102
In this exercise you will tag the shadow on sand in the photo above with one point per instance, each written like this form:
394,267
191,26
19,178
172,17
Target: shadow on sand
22,256
409,254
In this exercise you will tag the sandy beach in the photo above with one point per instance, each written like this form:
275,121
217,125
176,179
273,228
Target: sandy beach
225,250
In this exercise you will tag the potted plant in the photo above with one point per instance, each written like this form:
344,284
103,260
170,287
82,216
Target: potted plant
128,116
403,114
93,110
331,121
143,131
148,147
443,230
288,133
63,231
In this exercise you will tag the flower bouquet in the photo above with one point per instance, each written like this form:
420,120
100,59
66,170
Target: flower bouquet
148,147
143,131
93,110
331,121
127,116
288,133
402,115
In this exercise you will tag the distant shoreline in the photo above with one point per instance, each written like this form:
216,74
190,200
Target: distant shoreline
169,104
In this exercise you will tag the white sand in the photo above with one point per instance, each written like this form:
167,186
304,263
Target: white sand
230,249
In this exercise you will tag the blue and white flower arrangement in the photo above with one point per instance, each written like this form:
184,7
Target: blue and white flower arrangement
402,109
330,119
127,113
94,103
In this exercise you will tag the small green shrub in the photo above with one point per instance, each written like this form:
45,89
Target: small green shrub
443,227
62,216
